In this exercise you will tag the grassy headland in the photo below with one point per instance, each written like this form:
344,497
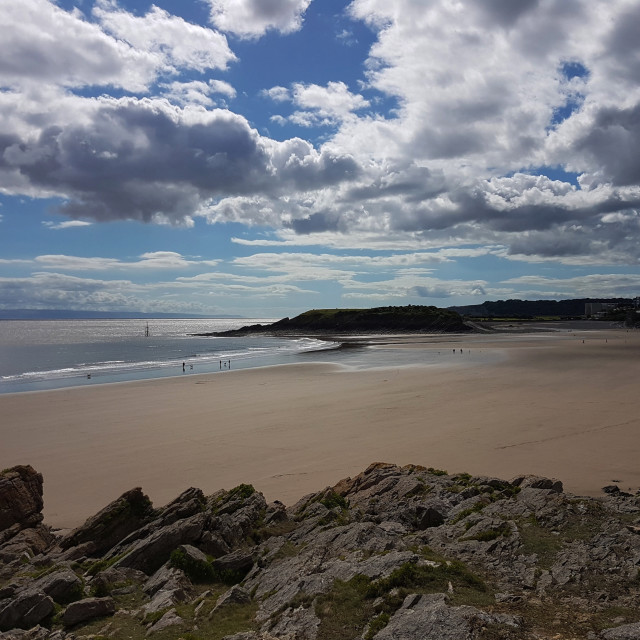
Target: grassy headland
406,319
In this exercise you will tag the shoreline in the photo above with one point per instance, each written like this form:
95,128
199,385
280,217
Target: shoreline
554,406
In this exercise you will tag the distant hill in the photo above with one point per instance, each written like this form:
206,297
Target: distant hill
411,318
72,314
533,308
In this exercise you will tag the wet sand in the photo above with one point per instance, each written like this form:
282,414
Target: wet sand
553,405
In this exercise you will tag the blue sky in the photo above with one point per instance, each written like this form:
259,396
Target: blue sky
263,157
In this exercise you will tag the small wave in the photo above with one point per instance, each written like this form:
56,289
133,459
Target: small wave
313,344
165,360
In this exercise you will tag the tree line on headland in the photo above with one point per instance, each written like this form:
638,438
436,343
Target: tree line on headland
410,318
531,309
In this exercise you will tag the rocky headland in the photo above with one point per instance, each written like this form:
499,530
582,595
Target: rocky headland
406,319
393,553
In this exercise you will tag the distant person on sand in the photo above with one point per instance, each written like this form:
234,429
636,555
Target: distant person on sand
183,366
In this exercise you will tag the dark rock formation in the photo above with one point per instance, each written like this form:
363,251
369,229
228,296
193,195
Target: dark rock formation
25,610
63,586
114,523
393,553
148,554
20,498
88,609
430,616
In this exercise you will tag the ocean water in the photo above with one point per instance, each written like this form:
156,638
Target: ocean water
48,354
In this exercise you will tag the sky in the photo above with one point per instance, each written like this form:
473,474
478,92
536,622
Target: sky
264,157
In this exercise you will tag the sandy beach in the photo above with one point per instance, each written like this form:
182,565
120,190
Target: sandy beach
557,404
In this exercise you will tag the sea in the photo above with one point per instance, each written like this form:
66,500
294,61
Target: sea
51,354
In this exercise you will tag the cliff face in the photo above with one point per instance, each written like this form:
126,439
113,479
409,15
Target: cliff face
394,553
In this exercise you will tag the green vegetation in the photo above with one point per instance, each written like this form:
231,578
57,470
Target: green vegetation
262,532
198,571
135,505
463,479
228,621
345,610
229,576
537,538
534,309
437,472
333,500
410,318
38,573
242,492
503,530
605,619
476,508
224,622
377,624
287,550
431,579
348,608
201,572
232,500
103,564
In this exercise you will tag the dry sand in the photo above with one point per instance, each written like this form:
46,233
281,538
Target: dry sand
554,406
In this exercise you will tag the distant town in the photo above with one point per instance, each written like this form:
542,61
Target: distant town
612,309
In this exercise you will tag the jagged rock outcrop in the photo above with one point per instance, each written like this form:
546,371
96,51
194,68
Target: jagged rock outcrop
429,616
393,553
88,609
63,586
169,619
25,609
20,498
113,523
148,554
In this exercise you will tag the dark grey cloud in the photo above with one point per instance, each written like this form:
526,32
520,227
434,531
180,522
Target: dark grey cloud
550,243
612,143
447,142
622,45
505,12
529,215
412,183
309,173
318,222
139,159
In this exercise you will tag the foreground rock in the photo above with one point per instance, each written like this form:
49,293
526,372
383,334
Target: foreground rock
88,609
20,498
393,553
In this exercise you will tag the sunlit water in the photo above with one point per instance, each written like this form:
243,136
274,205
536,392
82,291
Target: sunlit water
48,354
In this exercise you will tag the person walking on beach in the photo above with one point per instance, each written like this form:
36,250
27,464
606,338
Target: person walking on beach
183,366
